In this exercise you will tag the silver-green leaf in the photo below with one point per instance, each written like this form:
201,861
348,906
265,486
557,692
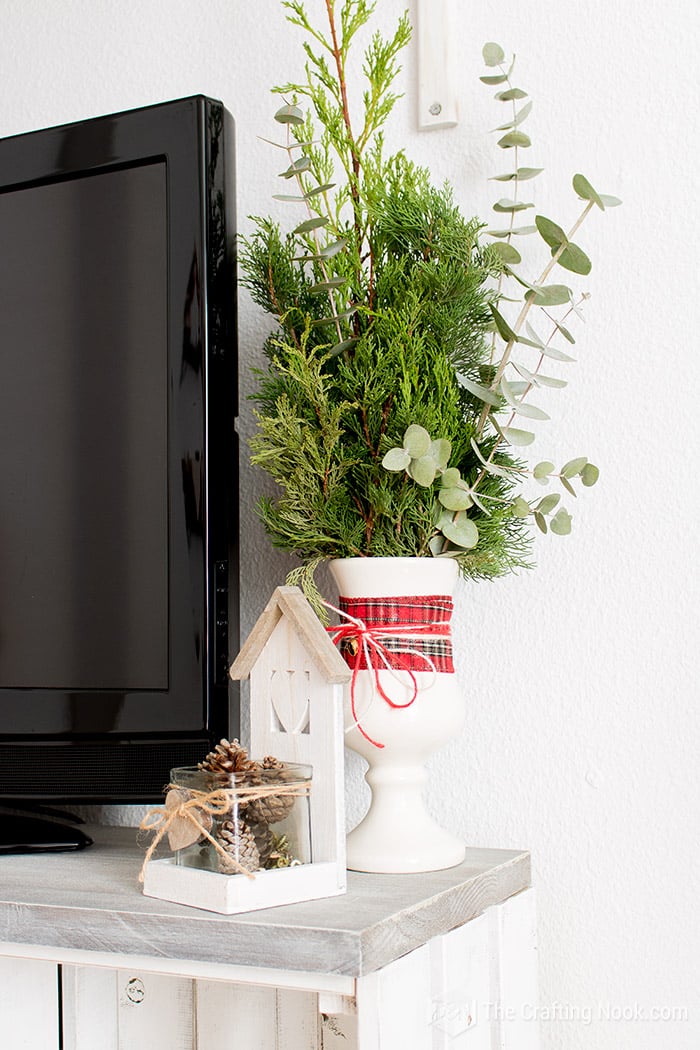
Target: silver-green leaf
573,467
423,471
455,498
561,523
508,254
296,168
396,460
493,54
514,138
547,504
550,295
441,450
549,231
589,474
311,224
517,437
543,469
463,533
584,189
575,259
289,115
507,206
510,94
490,397
340,348
334,247
416,441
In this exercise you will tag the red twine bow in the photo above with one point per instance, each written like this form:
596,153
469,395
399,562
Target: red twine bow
381,642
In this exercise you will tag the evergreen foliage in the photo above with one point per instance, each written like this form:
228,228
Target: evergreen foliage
377,413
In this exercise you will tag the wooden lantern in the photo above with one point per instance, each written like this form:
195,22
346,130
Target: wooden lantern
296,714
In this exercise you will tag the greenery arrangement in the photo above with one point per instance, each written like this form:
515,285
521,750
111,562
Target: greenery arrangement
397,375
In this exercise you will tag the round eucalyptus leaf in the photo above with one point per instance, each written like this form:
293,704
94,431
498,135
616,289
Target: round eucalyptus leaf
416,441
493,54
521,438
463,533
396,459
556,354
435,545
552,234
521,508
517,230
510,94
289,115
548,503
550,295
528,173
441,450
589,474
508,254
311,224
574,259
455,499
328,286
423,471
450,478
299,165
334,247
543,469
340,348
608,201
550,381
507,206
514,138
319,189
490,397
584,189
561,523
573,467
498,79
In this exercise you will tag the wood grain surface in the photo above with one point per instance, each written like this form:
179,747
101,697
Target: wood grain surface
91,901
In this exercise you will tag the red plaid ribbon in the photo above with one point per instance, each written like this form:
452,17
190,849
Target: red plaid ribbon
408,628
395,634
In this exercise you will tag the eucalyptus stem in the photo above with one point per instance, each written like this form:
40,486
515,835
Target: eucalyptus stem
510,344
316,238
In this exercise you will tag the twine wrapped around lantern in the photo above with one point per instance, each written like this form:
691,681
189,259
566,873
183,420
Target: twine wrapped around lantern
190,815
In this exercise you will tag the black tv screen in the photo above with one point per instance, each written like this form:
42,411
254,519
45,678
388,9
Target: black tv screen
117,451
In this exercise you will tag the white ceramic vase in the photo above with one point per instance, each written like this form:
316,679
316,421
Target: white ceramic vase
398,834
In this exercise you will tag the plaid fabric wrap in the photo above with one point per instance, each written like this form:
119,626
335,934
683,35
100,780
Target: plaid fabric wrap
381,614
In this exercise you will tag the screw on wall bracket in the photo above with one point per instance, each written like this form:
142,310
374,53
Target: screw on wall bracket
135,990
436,109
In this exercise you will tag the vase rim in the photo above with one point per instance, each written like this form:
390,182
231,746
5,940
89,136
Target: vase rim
400,577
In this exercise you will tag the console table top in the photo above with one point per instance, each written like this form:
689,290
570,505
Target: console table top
91,901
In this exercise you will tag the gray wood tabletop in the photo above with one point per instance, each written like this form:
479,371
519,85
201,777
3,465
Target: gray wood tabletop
92,901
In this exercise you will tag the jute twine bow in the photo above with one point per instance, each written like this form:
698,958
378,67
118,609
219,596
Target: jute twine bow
368,642
199,808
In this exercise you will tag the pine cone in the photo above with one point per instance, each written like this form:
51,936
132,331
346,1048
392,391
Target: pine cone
239,842
270,809
265,841
229,764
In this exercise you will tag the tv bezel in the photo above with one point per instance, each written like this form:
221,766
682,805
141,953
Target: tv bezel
128,760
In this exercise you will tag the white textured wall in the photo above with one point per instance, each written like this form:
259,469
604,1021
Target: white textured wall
582,734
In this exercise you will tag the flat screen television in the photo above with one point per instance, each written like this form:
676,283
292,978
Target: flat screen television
118,463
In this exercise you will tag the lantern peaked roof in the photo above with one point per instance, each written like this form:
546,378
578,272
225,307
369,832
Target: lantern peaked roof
290,603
